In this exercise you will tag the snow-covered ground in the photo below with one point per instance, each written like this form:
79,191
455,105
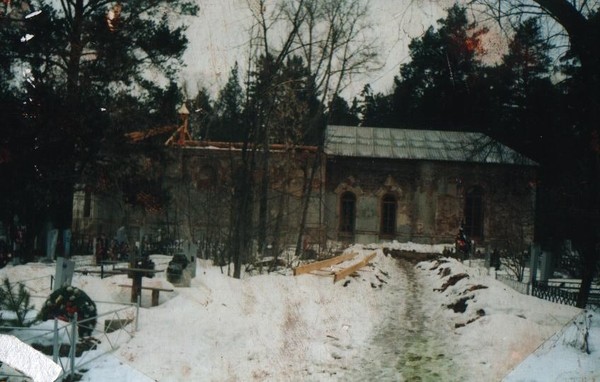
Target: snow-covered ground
394,320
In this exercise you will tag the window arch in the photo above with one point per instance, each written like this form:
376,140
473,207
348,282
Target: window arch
474,212
87,204
388,215
347,212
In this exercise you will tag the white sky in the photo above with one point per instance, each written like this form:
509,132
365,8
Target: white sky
280,327
219,34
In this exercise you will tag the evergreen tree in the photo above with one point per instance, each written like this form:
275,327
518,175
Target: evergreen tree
17,302
82,62
340,113
229,109
298,104
577,174
283,102
376,109
530,102
203,121
435,89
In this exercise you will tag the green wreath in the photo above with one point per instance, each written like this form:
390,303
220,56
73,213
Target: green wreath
63,303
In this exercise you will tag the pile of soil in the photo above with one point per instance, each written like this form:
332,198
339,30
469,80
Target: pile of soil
411,256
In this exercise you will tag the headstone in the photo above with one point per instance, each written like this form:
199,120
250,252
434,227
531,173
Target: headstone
545,266
64,272
121,235
191,250
533,262
51,244
67,242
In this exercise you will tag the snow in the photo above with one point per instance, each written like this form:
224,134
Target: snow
391,321
23,357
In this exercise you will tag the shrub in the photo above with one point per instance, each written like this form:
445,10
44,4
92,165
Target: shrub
16,303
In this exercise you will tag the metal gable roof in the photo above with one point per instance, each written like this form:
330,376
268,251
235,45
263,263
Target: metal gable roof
455,146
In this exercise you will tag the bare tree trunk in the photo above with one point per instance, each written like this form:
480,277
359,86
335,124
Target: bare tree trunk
579,21
591,238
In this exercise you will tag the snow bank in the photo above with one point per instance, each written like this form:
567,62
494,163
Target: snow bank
279,327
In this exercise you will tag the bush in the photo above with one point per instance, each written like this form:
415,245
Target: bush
63,303
16,303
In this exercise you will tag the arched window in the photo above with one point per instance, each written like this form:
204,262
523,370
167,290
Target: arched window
347,212
87,204
474,212
388,215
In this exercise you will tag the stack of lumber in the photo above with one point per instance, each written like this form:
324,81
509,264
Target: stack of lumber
335,266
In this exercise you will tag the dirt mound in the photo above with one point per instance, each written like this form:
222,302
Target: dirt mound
411,256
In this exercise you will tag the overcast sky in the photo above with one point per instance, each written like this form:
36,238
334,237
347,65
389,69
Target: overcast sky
219,34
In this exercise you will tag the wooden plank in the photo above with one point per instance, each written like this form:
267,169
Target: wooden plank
323,263
155,292
348,271
148,287
105,272
139,270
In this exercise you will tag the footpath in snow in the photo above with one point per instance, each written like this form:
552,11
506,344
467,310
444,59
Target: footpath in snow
399,319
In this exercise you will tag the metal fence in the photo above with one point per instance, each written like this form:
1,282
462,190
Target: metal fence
60,341
560,291
113,329
521,287
545,291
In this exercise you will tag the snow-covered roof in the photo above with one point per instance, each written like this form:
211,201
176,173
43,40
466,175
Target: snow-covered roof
455,146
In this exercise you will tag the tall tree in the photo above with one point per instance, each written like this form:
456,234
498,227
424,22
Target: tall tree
529,101
302,51
80,60
376,109
340,113
435,89
578,174
204,120
230,109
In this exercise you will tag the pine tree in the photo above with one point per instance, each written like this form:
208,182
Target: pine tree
229,109
376,109
530,102
86,82
434,89
17,303
340,113
578,172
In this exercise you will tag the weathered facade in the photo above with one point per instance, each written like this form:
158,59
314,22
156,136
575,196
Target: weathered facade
411,185
371,185
200,180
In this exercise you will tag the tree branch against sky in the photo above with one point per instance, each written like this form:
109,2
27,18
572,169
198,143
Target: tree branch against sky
579,20
303,52
573,16
337,43
89,68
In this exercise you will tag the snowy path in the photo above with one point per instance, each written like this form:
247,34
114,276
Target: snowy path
405,347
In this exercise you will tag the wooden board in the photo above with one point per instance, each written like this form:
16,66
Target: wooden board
148,287
155,292
105,272
138,270
323,263
347,271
